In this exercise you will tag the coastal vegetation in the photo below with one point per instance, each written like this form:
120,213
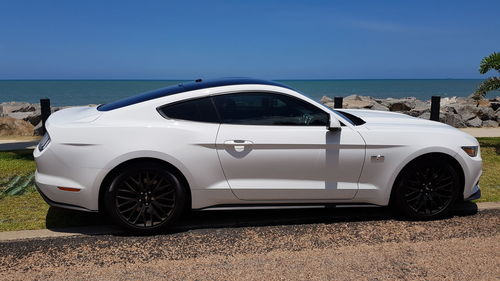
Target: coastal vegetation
491,62
27,210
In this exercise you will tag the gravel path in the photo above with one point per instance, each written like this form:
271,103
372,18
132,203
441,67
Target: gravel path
338,244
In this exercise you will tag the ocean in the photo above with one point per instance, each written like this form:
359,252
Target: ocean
81,92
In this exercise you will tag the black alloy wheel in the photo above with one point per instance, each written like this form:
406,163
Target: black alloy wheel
428,188
145,197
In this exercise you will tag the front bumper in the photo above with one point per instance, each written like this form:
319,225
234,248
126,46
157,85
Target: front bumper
475,195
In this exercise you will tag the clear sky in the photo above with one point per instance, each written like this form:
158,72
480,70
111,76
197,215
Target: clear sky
102,39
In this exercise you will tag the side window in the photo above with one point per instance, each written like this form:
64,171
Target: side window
268,109
201,110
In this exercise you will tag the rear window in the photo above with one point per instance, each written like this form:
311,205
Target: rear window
199,110
142,97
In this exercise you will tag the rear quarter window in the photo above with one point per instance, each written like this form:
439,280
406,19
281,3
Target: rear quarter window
199,110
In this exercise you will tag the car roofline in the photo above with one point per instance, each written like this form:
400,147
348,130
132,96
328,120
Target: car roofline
198,84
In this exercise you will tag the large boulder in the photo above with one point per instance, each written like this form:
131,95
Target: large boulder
34,117
28,108
15,127
467,111
485,113
452,119
9,107
19,115
448,100
357,97
38,131
399,106
384,102
420,108
330,104
325,100
486,103
495,105
490,123
425,115
357,104
474,122
378,106
405,104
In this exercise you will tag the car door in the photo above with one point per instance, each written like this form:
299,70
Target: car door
277,147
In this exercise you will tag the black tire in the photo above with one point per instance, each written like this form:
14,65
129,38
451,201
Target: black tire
426,189
145,197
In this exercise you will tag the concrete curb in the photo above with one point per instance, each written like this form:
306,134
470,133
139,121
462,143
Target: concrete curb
55,232
488,206
109,229
17,145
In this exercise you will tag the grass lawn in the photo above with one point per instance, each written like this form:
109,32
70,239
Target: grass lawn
490,180
29,211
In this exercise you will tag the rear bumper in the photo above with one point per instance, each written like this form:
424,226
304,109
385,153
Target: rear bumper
55,172
61,205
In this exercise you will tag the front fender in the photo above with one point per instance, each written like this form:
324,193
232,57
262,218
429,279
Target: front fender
378,177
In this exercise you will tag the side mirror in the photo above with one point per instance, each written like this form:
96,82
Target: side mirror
334,124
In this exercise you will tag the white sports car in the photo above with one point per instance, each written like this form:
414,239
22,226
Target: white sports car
242,142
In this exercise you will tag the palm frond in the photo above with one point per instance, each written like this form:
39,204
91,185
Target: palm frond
490,84
490,62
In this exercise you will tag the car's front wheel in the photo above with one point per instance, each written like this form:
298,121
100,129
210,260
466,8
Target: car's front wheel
145,197
427,188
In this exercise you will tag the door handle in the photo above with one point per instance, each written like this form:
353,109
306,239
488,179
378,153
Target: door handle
238,142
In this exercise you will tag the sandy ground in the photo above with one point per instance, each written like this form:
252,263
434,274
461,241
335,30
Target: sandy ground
349,248
483,132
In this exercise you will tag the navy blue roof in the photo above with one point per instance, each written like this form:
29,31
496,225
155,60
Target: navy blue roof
184,87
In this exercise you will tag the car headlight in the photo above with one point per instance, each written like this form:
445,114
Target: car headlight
471,150
44,142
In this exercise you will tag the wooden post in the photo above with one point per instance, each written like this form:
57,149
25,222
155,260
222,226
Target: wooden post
45,109
435,106
337,102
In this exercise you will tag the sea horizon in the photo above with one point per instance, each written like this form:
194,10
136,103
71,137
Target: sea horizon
64,92
272,79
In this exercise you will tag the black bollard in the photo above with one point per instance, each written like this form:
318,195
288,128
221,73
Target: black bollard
337,102
45,109
435,105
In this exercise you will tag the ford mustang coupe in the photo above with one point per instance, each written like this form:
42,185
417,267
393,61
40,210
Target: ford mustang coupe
230,143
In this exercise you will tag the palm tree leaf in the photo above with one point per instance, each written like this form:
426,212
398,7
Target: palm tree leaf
490,62
490,84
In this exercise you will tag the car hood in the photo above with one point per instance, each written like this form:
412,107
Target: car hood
375,119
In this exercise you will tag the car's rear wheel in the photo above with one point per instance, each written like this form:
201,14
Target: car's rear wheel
426,189
145,197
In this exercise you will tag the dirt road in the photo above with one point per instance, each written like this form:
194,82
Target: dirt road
362,244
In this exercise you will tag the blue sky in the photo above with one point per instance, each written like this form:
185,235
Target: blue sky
265,39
